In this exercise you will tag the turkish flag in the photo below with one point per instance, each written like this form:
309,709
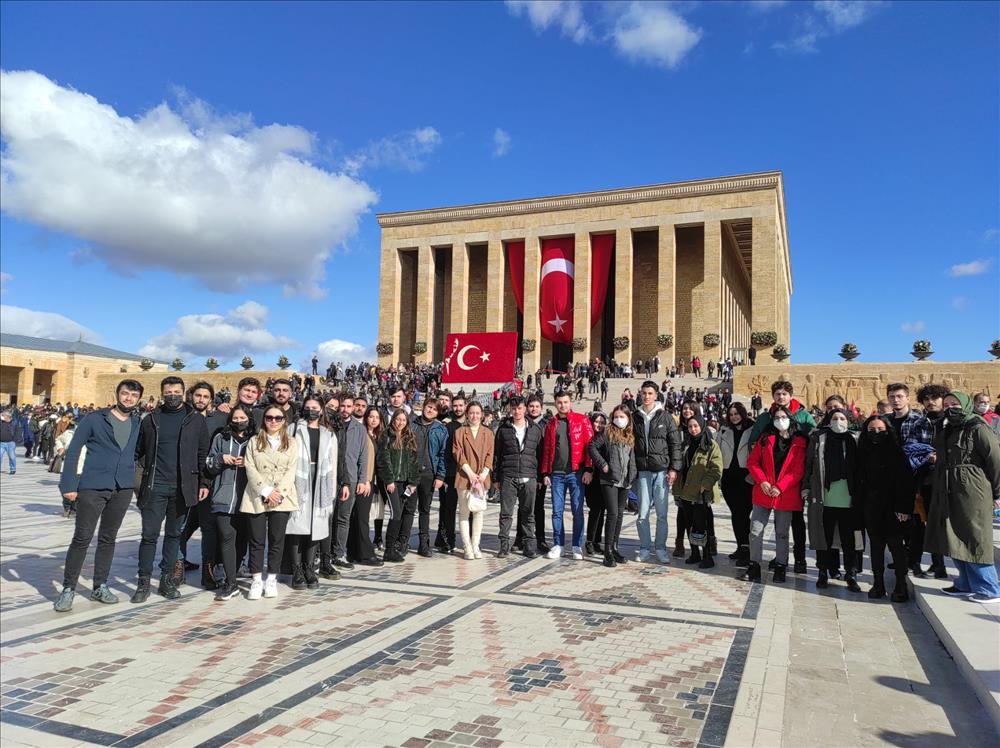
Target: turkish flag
479,357
555,293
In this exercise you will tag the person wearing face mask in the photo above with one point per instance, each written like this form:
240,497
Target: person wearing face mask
699,489
734,441
776,464
224,465
966,491
315,488
981,407
612,451
593,493
101,491
918,443
885,489
829,490
173,447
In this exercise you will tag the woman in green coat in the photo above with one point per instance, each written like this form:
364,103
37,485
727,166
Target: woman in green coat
699,489
966,490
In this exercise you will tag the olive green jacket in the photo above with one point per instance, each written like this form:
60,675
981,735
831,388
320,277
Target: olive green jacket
966,481
700,481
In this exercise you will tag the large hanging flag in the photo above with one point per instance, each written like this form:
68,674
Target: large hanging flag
602,247
515,260
555,293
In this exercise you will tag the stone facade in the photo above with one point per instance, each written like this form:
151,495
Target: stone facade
865,383
691,258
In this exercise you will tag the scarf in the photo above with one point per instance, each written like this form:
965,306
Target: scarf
839,455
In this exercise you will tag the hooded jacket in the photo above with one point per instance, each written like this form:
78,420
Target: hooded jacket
108,466
432,441
580,433
799,415
228,481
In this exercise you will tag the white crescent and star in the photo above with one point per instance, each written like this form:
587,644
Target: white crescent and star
558,265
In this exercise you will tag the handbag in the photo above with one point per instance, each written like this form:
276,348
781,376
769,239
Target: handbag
477,501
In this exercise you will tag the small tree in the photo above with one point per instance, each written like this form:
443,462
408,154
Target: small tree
247,362
177,364
211,364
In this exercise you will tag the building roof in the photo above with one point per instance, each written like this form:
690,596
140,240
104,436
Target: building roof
8,340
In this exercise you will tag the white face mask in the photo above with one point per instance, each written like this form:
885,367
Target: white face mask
621,421
838,427
981,408
781,424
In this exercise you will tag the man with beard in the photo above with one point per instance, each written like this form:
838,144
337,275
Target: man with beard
102,491
247,393
923,430
451,412
352,453
281,395
537,416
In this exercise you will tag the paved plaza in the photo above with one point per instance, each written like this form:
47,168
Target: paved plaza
444,652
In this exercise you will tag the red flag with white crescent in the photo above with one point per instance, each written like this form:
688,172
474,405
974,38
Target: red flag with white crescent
555,293
479,357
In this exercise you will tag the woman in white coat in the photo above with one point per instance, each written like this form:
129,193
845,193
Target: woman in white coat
737,490
315,484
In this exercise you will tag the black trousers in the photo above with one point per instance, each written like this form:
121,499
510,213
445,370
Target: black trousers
229,527
615,500
915,537
515,493
739,498
593,493
397,534
799,536
447,511
698,518
166,510
837,519
267,527
425,496
359,543
301,549
106,508
200,516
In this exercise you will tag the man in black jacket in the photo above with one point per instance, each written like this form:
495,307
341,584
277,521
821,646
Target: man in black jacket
658,457
516,455
173,445
453,420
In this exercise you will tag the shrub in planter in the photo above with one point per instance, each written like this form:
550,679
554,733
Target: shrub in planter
764,338
146,364
921,346
528,344
621,343
384,349
995,349
711,340
420,347
664,340
283,362
211,364
247,362
177,364
579,344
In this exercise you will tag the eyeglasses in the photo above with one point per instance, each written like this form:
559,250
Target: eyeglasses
274,419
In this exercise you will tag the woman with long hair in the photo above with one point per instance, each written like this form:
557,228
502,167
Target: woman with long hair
473,452
316,489
270,497
699,488
593,492
688,410
359,542
225,464
612,451
397,469
734,441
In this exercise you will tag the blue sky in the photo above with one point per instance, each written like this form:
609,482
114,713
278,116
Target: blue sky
243,150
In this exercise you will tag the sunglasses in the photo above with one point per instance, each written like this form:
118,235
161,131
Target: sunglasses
274,418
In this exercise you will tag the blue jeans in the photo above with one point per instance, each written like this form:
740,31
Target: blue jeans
980,578
560,482
7,448
653,492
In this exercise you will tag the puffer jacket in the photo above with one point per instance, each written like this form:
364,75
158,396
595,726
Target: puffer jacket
622,470
581,431
229,481
658,447
700,480
396,465
510,459
761,467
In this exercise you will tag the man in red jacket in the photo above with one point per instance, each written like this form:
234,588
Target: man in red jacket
566,465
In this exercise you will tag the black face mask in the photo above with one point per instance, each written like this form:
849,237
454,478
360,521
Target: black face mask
172,402
126,410
878,437
239,428
312,414
955,415
332,415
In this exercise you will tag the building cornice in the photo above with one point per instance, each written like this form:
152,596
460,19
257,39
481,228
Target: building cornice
695,188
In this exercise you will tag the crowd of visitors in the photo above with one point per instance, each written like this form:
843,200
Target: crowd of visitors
308,478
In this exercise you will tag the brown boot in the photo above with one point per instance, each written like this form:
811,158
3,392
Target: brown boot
178,574
679,546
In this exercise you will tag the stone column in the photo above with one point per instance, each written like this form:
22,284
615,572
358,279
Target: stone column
581,294
764,280
532,329
496,285
425,302
667,285
459,287
389,290
708,309
623,290
25,385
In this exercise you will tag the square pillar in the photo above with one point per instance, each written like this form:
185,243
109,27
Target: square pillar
667,285
623,290
532,328
389,291
581,295
459,287
425,302
764,279
496,284
708,310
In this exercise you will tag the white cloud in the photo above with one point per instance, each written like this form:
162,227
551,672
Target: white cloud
17,320
654,34
501,142
343,351
976,267
960,303
990,235
827,18
567,15
234,334
187,191
845,14
406,150
917,326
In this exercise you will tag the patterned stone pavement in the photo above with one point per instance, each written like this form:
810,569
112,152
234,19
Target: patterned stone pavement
443,652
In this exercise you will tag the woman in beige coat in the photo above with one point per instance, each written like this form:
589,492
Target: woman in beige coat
270,498
473,452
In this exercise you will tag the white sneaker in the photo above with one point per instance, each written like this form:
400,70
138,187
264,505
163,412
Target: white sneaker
271,586
663,556
577,553
642,556
256,589
556,552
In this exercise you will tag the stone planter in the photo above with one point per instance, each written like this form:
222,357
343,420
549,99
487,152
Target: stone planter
849,356
921,355
779,357
995,352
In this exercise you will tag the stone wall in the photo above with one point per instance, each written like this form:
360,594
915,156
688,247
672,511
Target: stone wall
865,383
150,380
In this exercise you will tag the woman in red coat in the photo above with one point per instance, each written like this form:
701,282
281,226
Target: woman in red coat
776,464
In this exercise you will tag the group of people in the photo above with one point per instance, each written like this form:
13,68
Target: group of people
326,482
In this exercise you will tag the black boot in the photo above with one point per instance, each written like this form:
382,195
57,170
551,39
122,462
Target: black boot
877,591
588,548
609,560
312,581
823,580
207,580
742,556
679,546
167,589
751,573
141,593
779,573
707,562
850,578
695,556
598,549
899,593
327,569
618,557
298,577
